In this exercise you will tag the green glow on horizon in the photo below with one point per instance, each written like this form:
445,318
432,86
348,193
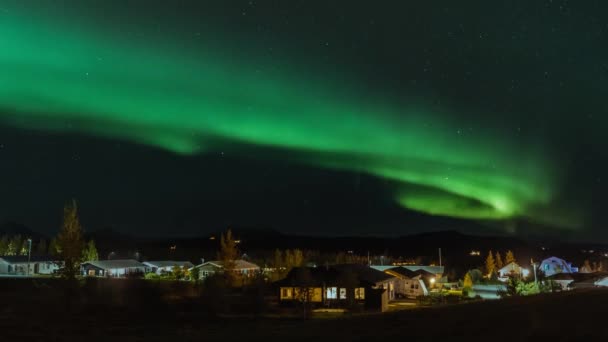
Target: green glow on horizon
188,101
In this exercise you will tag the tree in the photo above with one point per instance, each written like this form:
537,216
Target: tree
586,267
468,282
228,255
25,245
476,275
289,260
71,242
490,264
509,258
53,249
90,252
304,291
4,245
298,258
41,248
195,275
499,263
177,273
14,246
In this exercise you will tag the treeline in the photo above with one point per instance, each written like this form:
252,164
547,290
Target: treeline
14,245
18,245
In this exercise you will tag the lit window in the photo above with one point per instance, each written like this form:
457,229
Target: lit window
331,293
342,293
286,293
360,293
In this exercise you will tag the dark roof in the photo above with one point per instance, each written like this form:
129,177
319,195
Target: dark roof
334,274
18,259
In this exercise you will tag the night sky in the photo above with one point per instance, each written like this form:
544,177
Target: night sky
324,117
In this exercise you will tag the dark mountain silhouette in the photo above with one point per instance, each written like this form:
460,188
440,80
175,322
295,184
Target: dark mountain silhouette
14,228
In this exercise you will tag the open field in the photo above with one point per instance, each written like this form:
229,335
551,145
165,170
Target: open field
36,311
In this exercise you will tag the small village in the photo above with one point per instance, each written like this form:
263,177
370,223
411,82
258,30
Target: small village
293,284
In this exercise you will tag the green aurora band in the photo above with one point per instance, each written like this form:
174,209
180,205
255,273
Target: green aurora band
186,100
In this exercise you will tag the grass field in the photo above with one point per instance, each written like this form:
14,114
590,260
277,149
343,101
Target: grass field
36,311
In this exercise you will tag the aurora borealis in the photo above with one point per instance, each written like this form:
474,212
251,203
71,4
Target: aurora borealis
197,96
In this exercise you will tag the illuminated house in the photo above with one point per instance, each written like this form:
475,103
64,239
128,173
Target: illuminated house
429,271
409,283
113,268
512,269
337,286
554,265
242,267
166,266
18,265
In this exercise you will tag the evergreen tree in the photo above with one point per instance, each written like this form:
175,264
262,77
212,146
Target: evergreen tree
298,258
468,282
25,245
289,260
499,263
4,245
41,248
228,255
490,264
90,252
14,246
509,258
71,242
195,275
54,248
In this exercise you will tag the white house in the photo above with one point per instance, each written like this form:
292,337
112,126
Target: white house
18,265
241,267
512,269
554,265
166,266
602,282
408,283
112,268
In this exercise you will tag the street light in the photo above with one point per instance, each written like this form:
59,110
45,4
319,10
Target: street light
29,255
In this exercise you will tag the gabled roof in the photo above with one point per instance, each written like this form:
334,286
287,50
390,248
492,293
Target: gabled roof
334,275
402,272
20,259
512,266
238,264
168,263
110,264
434,270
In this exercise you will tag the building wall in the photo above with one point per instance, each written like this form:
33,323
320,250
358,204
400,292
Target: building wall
410,288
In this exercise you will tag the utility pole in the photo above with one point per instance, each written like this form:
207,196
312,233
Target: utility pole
440,256
29,255
534,268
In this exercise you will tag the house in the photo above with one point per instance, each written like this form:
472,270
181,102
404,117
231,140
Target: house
19,264
588,280
563,279
241,267
166,266
601,281
434,271
553,265
408,283
112,268
512,269
338,285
